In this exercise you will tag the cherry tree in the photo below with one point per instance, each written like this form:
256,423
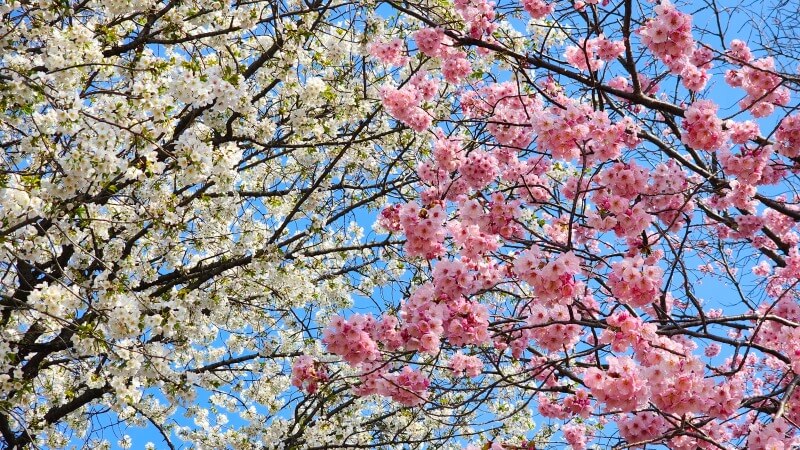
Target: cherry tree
179,197
348,224
587,179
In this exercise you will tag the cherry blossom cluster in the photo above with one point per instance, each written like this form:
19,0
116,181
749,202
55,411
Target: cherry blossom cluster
479,16
351,339
627,218
787,137
577,129
702,128
390,52
435,311
575,435
621,388
407,386
404,105
757,78
448,152
626,330
748,165
669,37
538,9
462,364
506,111
553,280
424,229
307,374
550,328
772,436
642,426
592,53
454,63
432,41
427,316
633,281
